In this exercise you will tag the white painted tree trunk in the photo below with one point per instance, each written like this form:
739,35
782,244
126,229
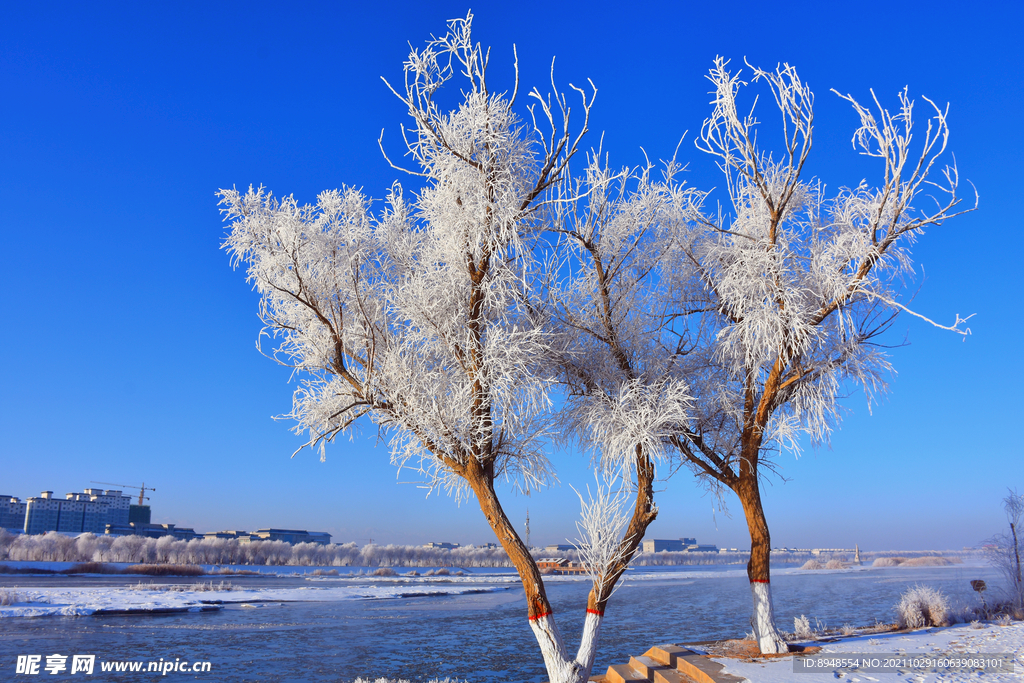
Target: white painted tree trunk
562,669
588,642
768,638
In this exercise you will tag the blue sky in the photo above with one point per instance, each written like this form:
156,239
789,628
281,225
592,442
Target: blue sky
129,347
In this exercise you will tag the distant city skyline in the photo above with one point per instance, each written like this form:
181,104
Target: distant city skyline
129,354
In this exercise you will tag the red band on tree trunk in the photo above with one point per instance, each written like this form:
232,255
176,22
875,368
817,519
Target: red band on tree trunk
594,611
760,581
540,616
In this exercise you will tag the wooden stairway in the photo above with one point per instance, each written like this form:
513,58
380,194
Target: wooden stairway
668,664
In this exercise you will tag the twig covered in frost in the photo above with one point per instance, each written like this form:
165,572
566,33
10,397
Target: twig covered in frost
603,519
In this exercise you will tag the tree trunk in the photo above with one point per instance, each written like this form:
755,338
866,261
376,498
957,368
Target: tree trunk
1016,555
644,513
762,620
560,668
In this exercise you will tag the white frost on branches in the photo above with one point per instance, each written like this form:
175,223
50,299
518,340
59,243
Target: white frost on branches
417,317
640,416
604,516
803,282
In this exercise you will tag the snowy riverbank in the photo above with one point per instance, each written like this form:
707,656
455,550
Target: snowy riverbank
158,598
984,638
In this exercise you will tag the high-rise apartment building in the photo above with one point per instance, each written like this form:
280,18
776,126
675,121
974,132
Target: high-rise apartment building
90,511
12,513
42,513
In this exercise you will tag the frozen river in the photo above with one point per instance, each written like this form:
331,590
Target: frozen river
473,627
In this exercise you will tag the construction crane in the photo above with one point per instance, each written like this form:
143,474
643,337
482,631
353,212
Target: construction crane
142,489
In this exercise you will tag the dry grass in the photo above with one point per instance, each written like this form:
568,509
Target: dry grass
165,570
198,587
927,561
91,568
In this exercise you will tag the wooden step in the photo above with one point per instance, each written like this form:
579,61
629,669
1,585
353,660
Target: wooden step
624,673
645,666
667,675
701,669
659,665
666,654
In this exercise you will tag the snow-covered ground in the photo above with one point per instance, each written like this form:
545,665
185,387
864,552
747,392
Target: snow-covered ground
73,601
984,638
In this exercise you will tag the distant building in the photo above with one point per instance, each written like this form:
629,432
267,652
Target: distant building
118,504
688,545
151,531
112,513
560,565
559,547
12,513
834,551
442,546
42,513
320,537
89,511
663,546
291,536
139,514
237,535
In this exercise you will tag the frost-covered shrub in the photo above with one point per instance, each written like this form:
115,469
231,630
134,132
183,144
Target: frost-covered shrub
8,597
438,572
926,562
802,627
812,564
960,612
385,571
922,606
835,564
887,562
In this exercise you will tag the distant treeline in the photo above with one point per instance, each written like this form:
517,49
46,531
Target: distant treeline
54,547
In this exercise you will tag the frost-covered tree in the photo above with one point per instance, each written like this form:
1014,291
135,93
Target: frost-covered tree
424,318
1004,550
614,232
782,293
